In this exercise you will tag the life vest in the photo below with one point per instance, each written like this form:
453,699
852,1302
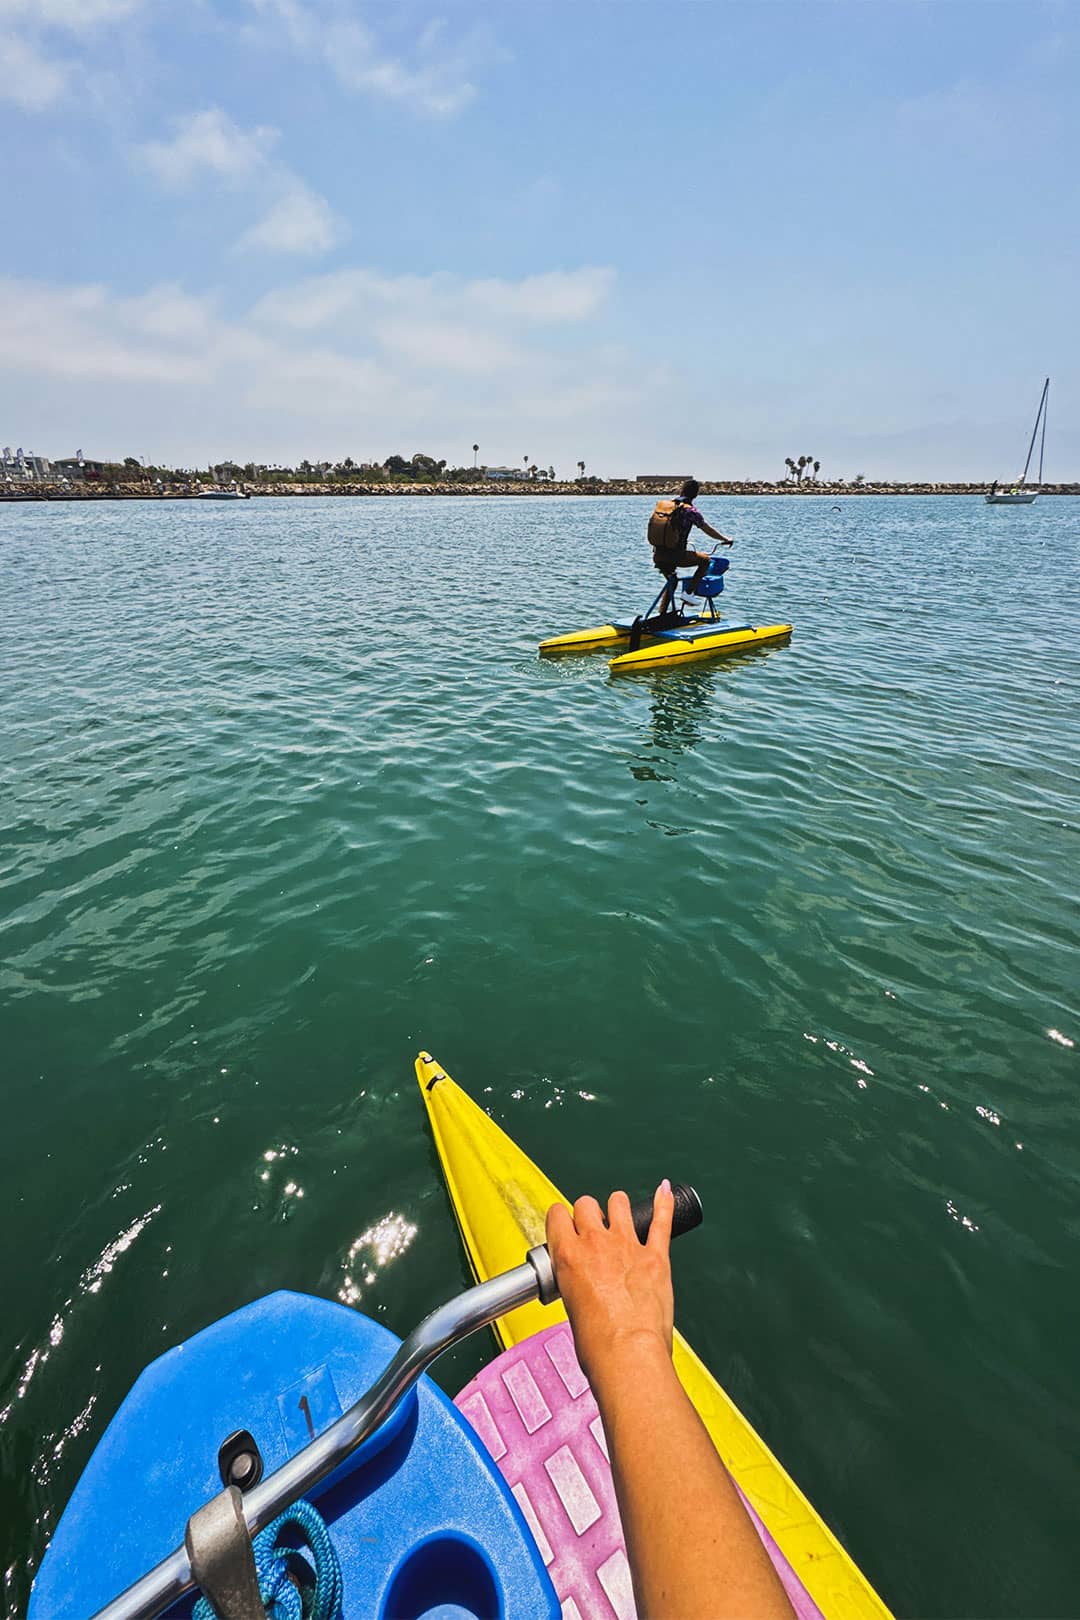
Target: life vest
665,532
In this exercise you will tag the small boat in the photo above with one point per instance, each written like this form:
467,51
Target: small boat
500,1198
1020,494
673,631
223,492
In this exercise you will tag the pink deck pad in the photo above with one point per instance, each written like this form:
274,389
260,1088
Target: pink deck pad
535,1413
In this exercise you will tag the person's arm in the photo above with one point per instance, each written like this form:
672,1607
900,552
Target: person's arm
694,1553
714,534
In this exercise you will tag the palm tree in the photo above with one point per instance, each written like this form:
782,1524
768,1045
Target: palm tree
581,469
790,465
475,453
801,468
817,469
551,474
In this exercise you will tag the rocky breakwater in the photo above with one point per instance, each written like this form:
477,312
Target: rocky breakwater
136,491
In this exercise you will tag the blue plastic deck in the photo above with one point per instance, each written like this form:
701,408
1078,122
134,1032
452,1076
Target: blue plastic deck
699,632
422,1521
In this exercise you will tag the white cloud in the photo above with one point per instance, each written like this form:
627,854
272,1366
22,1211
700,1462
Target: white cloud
295,218
208,142
447,346
29,79
350,297
558,295
81,332
320,301
439,322
76,15
437,78
168,313
437,83
300,221
351,361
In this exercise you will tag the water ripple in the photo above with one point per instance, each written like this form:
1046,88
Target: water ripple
801,926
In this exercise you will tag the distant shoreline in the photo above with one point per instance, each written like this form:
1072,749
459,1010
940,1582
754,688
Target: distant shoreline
816,491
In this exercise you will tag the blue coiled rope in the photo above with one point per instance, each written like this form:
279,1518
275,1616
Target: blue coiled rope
283,1599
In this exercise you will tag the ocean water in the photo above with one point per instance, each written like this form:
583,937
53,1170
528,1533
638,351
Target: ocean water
287,794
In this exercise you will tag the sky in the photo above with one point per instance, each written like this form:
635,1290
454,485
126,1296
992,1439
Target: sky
675,237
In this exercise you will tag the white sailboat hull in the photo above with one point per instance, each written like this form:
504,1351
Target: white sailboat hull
1018,495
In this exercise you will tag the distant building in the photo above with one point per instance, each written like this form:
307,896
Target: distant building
23,467
670,480
508,473
77,468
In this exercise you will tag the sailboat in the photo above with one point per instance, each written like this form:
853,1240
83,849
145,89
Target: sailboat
1019,495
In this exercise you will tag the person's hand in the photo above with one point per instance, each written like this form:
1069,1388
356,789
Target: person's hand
729,542
617,1290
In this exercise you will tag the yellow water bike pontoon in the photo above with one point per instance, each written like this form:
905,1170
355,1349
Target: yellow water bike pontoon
672,631
500,1198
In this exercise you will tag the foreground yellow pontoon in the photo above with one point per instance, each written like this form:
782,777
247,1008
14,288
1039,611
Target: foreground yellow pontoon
671,632
500,1199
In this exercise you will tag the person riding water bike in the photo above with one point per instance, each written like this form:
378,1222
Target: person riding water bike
669,534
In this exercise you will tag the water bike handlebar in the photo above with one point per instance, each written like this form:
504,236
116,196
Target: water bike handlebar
476,1308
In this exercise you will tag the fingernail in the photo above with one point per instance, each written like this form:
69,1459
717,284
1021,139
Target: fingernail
665,1186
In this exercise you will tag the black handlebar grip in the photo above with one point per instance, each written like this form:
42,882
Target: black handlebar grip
688,1212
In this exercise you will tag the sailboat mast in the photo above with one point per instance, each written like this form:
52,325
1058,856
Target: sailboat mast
1034,432
1045,414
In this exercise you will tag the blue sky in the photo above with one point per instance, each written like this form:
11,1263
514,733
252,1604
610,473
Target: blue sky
697,236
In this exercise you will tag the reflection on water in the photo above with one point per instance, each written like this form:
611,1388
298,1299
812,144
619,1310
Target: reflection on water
679,705
679,709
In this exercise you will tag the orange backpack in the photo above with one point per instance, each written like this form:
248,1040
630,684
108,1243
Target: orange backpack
663,533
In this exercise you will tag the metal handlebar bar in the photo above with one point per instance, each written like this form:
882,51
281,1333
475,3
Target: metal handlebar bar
446,1326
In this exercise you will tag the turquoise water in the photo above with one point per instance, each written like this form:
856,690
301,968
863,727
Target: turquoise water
799,927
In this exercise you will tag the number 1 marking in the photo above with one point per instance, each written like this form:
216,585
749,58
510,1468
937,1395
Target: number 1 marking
306,1409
